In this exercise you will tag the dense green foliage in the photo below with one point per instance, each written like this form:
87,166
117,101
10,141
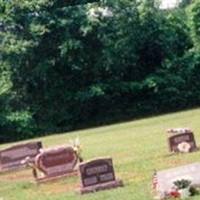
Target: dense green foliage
66,66
137,148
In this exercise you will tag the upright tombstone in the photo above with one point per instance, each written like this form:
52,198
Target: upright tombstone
165,178
181,140
97,174
56,162
11,158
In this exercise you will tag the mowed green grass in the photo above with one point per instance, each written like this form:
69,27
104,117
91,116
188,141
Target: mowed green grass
137,148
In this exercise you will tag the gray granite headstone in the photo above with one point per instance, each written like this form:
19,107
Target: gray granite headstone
165,178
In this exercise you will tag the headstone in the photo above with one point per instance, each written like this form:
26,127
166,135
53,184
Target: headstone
11,158
97,174
181,140
165,178
56,162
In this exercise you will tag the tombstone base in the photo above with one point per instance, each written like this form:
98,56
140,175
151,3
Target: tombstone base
13,169
56,177
103,186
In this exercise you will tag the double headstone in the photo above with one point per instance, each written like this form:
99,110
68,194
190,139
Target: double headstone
56,162
12,157
97,174
181,140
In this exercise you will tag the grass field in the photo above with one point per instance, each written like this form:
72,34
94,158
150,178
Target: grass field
137,148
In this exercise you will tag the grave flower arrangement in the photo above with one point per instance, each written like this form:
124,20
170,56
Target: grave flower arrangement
179,130
180,189
182,184
184,147
75,143
174,193
27,162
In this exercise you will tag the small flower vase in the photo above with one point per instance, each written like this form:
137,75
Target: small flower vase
184,193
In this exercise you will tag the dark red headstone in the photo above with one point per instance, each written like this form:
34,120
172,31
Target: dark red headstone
12,157
97,174
175,140
56,161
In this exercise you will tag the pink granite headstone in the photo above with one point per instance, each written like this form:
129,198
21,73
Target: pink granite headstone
12,157
55,162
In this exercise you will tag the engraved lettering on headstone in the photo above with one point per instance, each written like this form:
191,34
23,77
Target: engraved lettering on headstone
90,181
95,170
181,139
106,177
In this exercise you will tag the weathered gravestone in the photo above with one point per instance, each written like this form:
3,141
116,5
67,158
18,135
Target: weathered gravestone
11,158
181,140
165,178
56,163
97,174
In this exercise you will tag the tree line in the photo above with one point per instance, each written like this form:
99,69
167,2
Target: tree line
66,65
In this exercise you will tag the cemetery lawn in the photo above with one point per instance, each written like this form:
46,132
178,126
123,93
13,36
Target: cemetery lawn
137,148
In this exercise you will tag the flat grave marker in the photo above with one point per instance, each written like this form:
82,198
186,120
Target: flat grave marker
11,157
56,162
97,174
